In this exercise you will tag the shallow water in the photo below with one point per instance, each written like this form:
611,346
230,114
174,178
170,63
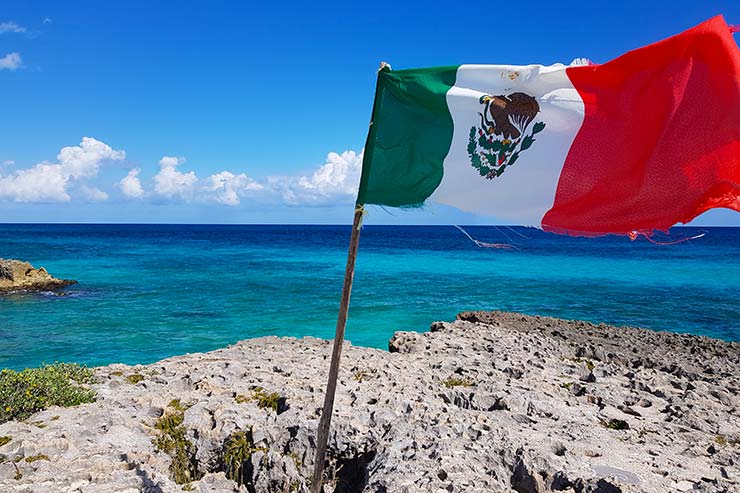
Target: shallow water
150,291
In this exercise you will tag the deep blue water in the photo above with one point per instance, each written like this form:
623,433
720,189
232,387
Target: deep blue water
150,291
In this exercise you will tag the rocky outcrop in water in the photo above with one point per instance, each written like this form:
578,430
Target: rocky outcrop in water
493,402
16,275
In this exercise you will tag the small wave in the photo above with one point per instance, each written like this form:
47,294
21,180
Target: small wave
32,293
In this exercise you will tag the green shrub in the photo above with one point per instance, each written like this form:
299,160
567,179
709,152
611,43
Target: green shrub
458,382
264,399
361,375
237,452
296,459
177,405
34,389
34,458
616,424
173,442
4,440
720,440
134,378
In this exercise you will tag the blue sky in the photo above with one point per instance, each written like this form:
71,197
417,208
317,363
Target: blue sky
234,96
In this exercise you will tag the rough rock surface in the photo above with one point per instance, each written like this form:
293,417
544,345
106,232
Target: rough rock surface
493,402
16,275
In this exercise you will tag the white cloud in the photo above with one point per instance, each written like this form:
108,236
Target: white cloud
335,181
226,187
130,185
83,161
8,162
76,168
94,194
47,20
11,27
171,183
170,161
50,182
11,61
340,174
42,183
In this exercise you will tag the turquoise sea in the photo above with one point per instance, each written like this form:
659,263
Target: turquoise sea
146,292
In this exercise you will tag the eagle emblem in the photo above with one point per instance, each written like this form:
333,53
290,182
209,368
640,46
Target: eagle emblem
502,134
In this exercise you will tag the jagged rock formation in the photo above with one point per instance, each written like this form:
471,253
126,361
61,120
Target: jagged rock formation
16,275
493,402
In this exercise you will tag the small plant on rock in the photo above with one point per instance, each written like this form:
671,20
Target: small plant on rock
173,442
616,424
297,460
134,378
721,440
236,456
264,399
458,382
177,405
33,458
361,375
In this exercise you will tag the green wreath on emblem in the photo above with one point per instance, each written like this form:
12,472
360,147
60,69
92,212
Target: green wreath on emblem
497,143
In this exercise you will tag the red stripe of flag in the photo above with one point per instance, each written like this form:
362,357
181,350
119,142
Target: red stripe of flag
660,141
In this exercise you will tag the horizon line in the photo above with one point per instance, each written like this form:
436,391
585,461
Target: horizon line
298,224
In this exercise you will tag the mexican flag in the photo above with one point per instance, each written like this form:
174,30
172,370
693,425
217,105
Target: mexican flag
639,143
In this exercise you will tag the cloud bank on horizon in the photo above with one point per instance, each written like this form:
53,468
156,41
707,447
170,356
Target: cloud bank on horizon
92,172
76,176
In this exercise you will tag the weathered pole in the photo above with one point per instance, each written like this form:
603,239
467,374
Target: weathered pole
331,386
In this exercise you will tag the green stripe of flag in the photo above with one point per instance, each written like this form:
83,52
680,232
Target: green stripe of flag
409,137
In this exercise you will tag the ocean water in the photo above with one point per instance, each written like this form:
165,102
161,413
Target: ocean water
146,292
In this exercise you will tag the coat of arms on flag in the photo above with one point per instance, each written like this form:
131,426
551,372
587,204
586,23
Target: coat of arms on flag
501,137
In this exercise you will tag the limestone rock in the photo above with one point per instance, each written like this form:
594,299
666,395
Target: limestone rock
493,402
16,275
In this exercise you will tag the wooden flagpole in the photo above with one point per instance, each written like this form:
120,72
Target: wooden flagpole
331,386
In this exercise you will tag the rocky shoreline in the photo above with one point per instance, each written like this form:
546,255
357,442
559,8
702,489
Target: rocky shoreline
492,402
16,275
